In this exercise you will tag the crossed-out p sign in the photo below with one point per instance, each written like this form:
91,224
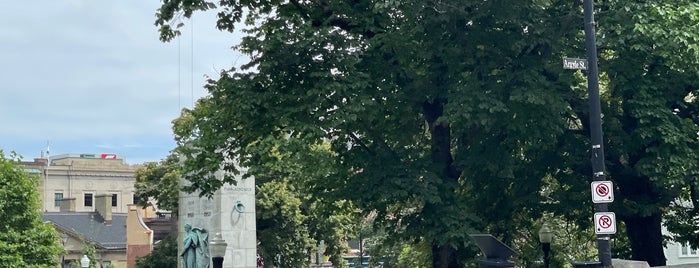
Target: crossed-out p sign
605,223
602,192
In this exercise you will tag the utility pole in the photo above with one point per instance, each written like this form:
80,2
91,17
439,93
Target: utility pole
598,169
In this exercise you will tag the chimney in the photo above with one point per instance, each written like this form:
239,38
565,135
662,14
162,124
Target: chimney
67,204
103,206
42,161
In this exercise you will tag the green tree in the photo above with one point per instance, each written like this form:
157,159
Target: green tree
163,255
90,251
280,220
426,107
649,56
292,215
25,240
159,182
437,111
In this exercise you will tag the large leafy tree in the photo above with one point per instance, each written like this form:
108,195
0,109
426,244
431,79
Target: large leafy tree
648,61
429,107
437,111
25,240
650,55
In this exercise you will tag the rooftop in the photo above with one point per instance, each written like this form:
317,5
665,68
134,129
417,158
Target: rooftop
90,225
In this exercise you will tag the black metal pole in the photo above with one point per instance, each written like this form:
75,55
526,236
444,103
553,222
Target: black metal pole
546,247
361,251
63,256
218,262
598,170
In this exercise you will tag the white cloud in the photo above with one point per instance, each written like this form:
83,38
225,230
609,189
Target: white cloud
79,71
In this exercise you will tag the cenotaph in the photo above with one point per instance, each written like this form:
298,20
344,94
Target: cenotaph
231,212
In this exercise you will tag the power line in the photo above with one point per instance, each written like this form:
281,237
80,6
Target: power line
191,76
179,74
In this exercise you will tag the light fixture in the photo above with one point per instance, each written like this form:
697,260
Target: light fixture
545,234
84,261
545,237
218,250
64,238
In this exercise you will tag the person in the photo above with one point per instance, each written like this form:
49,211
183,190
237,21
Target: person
195,248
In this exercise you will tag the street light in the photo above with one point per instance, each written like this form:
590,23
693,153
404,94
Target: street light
218,250
85,262
64,239
545,237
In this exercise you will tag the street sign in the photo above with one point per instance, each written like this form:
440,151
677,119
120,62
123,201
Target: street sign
605,223
574,63
602,192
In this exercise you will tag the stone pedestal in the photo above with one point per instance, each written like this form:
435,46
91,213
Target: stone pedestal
619,263
231,211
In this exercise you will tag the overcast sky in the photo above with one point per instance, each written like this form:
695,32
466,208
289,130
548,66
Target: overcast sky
90,76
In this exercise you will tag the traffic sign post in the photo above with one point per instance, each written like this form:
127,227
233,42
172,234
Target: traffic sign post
602,192
605,223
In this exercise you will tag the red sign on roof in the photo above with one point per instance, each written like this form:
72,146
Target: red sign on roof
109,156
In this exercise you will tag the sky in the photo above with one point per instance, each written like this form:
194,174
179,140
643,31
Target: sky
86,76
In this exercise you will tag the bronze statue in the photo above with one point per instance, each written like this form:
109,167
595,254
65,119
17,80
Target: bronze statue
195,248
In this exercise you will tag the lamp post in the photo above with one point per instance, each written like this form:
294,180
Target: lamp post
218,250
545,237
85,261
64,239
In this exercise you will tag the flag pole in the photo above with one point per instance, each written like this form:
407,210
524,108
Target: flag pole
46,175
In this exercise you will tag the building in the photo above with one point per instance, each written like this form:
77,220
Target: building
119,238
101,228
83,177
88,198
677,253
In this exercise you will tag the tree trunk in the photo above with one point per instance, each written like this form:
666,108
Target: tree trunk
646,238
444,257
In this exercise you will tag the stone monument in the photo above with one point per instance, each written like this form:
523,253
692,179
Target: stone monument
231,211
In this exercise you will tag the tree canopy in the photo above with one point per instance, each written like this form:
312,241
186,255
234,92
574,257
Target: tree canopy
159,183
25,240
163,255
450,117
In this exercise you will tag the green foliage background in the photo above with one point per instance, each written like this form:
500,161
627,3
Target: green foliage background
444,118
163,255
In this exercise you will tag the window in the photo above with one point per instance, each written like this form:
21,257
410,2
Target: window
688,251
57,199
88,200
114,200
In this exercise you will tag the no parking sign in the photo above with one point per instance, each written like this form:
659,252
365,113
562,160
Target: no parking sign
602,192
605,223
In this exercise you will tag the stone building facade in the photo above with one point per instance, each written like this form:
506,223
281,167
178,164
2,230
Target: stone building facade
83,177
